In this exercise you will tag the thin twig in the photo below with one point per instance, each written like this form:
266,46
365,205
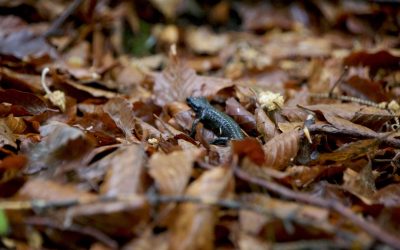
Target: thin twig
369,227
61,19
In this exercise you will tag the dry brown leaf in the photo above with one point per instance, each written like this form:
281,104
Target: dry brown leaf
350,151
118,219
16,124
6,135
125,172
241,115
282,149
249,147
41,189
361,184
388,196
370,117
60,143
178,81
248,241
194,228
120,110
343,124
203,41
30,102
148,241
264,125
172,172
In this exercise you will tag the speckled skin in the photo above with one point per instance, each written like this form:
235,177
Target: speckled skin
215,120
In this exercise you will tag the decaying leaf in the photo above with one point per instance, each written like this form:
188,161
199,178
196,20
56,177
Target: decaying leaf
243,117
48,190
6,136
361,184
30,102
59,143
194,228
282,149
172,172
121,112
178,81
125,171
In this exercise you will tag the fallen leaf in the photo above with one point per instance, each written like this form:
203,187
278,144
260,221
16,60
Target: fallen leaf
264,125
59,143
380,59
249,147
120,110
26,46
243,117
125,171
194,228
48,190
30,102
172,172
361,184
7,138
282,149
178,81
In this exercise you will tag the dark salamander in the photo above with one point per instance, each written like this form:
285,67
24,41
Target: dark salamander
220,123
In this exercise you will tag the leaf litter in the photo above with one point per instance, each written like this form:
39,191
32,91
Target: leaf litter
112,165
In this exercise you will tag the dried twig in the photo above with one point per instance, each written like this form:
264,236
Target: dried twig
369,227
61,19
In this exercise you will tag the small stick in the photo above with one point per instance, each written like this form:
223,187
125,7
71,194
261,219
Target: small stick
369,227
61,19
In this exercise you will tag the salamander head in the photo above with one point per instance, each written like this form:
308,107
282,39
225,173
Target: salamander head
197,103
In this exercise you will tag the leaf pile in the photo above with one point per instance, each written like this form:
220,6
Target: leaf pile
117,168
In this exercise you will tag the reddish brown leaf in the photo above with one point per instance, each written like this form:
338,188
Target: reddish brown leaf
120,110
377,60
344,124
264,125
177,82
249,147
282,149
361,184
364,89
350,151
370,117
243,117
30,102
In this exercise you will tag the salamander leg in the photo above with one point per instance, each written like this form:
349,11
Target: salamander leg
220,141
194,125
